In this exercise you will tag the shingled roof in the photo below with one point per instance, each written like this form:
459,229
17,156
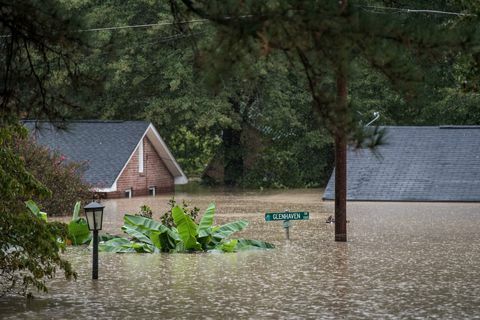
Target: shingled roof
416,164
105,145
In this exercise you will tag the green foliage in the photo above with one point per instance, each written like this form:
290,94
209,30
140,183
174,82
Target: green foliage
326,41
145,211
204,227
187,229
167,217
37,72
32,206
78,232
149,236
30,252
39,40
61,176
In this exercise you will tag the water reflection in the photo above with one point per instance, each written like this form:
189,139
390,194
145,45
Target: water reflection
403,260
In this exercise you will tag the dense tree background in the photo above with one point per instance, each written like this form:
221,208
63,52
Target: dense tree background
37,40
157,73
213,94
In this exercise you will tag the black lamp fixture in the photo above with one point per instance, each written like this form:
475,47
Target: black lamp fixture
94,214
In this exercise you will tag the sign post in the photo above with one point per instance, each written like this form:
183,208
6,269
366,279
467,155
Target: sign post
286,217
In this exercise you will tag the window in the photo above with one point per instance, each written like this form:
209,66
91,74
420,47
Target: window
140,157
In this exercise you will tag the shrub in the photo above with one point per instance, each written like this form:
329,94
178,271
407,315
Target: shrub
60,175
29,246
145,211
150,236
167,218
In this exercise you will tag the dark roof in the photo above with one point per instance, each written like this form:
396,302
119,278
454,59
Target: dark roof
416,164
105,145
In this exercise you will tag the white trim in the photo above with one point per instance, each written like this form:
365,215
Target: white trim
140,157
171,163
114,186
181,180
111,189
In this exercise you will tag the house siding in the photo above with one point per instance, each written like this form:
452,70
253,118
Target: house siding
155,173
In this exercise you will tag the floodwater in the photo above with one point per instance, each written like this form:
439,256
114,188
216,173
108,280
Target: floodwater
402,260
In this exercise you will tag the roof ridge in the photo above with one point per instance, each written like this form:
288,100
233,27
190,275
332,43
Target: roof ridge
84,121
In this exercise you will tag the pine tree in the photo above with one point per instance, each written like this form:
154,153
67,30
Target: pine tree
323,38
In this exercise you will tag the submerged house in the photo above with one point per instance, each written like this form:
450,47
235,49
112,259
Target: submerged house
416,164
124,158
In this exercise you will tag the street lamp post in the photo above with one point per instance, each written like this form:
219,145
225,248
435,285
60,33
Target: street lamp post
94,214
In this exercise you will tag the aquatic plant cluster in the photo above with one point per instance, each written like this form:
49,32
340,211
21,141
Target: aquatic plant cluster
183,235
150,236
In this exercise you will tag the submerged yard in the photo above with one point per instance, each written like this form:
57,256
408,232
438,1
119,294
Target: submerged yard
402,260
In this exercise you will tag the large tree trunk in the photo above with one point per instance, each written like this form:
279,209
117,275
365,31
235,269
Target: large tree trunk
341,158
233,149
233,156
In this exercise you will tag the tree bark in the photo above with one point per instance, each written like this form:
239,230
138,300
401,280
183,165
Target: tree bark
341,158
233,156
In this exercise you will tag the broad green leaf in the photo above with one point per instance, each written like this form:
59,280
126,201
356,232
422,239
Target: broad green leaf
143,224
207,242
246,244
78,231
33,207
206,221
43,215
226,230
36,210
168,242
155,239
122,245
229,246
187,229
160,236
76,210
137,235
106,237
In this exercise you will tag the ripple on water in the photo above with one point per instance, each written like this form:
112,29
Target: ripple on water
403,260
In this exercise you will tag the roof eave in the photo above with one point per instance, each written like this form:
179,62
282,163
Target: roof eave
163,151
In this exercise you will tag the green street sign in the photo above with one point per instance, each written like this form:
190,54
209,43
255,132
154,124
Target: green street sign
276,216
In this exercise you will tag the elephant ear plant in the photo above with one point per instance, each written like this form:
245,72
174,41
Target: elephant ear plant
149,236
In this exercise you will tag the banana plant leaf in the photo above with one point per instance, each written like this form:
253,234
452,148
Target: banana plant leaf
76,210
137,235
143,224
122,245
226,230
187,229
247,244
78,232
36,210
229,246
159,235
206,222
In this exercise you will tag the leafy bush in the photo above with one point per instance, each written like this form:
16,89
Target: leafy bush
145,211
29,250
78,232
61,176
150,236
167,217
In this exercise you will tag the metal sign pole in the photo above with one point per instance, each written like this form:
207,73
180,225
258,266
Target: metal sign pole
286,225
287,217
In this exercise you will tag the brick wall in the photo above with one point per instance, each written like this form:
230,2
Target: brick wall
155,173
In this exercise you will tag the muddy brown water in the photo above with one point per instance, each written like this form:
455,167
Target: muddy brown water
402,260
